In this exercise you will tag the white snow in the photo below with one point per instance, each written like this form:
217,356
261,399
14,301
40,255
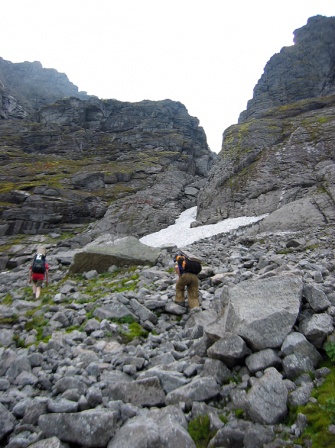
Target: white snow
181,234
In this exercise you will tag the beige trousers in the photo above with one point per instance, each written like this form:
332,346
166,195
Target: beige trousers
190,281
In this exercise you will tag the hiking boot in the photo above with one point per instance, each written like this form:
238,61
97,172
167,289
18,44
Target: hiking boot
180,303
195,309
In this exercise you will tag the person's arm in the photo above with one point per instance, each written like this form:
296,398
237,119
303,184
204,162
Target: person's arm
177,270
30,275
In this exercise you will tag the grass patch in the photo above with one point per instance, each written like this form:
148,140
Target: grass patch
7,300
320,414
199,430
10,320
134,331
38,323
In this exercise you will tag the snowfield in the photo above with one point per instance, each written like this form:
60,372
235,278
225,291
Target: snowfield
181,234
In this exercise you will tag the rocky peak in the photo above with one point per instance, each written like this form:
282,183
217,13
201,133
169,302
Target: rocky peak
304,70
31,86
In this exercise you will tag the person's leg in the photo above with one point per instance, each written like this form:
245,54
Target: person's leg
34,288
180,288
38,288
193,291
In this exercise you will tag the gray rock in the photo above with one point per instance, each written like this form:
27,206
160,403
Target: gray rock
70,383
169,380
142,312
93,428
199,389
257,436
61,405
316,298
267,398
230,349
162,428
122,252
231,435
34,409
297,343
113,311
145,392
20,364
216,369
296,364
7,422
6,337
263,359
52,442
301,395
250,316
316,328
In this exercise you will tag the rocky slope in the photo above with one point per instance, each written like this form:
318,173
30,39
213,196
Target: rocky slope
108,360
280,158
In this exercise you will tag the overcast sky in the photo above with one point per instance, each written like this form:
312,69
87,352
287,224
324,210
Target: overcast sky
207,54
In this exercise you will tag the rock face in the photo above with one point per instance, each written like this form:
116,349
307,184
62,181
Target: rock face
74,160
279,159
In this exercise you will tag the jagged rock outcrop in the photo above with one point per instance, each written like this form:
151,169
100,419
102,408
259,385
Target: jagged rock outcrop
142,162
280,158
305,70
28,86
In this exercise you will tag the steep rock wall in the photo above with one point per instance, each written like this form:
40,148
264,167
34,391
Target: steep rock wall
282,154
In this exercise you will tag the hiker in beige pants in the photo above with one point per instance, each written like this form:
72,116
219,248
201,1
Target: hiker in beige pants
186,279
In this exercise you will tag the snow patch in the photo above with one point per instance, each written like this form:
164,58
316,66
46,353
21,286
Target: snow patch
181,234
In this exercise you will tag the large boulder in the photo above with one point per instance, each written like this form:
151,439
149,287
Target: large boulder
264,311
126,251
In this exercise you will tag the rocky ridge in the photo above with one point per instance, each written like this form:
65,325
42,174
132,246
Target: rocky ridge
72,373
279,159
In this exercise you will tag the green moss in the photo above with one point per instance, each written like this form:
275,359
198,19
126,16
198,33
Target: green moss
9,320
320,414
199,430
134,331
7,300
239,413
18,341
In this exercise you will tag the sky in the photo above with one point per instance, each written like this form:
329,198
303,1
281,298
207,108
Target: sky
207,54
181,230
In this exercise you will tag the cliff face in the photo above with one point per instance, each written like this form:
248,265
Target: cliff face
280,158
72,161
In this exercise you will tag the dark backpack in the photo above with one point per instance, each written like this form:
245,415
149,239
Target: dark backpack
38,266
192,264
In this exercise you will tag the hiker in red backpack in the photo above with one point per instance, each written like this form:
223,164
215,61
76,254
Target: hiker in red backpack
39,271
186,279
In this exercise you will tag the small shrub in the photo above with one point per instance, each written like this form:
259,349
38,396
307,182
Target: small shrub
199,430
18,341
330,350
